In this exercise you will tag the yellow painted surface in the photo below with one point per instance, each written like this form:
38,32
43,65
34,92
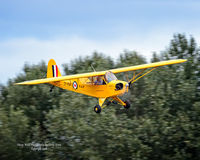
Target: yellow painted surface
101,101
84,83
119,100
150,65
90,89
101,73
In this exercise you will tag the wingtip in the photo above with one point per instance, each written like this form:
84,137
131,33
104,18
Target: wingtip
21,83
181,60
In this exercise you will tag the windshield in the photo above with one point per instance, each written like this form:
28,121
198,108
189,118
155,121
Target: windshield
109,76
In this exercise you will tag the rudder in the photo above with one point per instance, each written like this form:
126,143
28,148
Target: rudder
52,69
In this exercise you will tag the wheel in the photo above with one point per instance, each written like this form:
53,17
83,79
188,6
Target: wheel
127,106
97,109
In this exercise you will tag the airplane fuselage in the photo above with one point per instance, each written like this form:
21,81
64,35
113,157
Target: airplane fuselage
111,89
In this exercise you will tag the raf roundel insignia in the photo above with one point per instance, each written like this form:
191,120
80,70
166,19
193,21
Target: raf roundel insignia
75,85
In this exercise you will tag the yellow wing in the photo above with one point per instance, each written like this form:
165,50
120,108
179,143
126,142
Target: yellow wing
144,66
47,80
92,74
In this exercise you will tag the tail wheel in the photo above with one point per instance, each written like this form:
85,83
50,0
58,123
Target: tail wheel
127,106
97,109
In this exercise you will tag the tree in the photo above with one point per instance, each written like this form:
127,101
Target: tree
162,123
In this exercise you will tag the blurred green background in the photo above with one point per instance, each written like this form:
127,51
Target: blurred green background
162,123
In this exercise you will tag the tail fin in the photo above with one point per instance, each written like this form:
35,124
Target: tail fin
52,69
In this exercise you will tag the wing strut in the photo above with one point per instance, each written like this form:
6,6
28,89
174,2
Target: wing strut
135,77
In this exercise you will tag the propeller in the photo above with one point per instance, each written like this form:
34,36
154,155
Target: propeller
130,83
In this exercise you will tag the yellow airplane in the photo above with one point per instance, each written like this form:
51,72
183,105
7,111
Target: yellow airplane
102,85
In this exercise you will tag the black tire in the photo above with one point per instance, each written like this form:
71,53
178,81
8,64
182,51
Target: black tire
128,105
97,109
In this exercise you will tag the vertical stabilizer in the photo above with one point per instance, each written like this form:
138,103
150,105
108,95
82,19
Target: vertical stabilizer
52,69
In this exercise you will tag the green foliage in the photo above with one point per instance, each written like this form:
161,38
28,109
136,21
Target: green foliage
14,127
81,65
162,123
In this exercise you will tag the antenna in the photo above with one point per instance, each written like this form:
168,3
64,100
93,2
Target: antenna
93,68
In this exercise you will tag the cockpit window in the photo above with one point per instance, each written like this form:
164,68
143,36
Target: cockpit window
109,76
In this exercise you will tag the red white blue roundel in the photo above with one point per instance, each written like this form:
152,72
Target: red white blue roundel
75,85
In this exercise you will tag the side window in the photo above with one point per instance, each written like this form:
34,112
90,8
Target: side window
99,80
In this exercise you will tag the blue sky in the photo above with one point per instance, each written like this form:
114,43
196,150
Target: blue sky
35,30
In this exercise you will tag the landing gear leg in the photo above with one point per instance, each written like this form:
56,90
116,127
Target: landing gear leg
97,108
126,103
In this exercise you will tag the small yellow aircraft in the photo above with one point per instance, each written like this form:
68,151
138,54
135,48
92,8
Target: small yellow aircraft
102,85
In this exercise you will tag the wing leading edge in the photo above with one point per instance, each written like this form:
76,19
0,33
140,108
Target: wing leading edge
93,74
68,77
150,65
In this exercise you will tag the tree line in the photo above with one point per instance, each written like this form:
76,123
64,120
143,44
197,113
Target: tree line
162,123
